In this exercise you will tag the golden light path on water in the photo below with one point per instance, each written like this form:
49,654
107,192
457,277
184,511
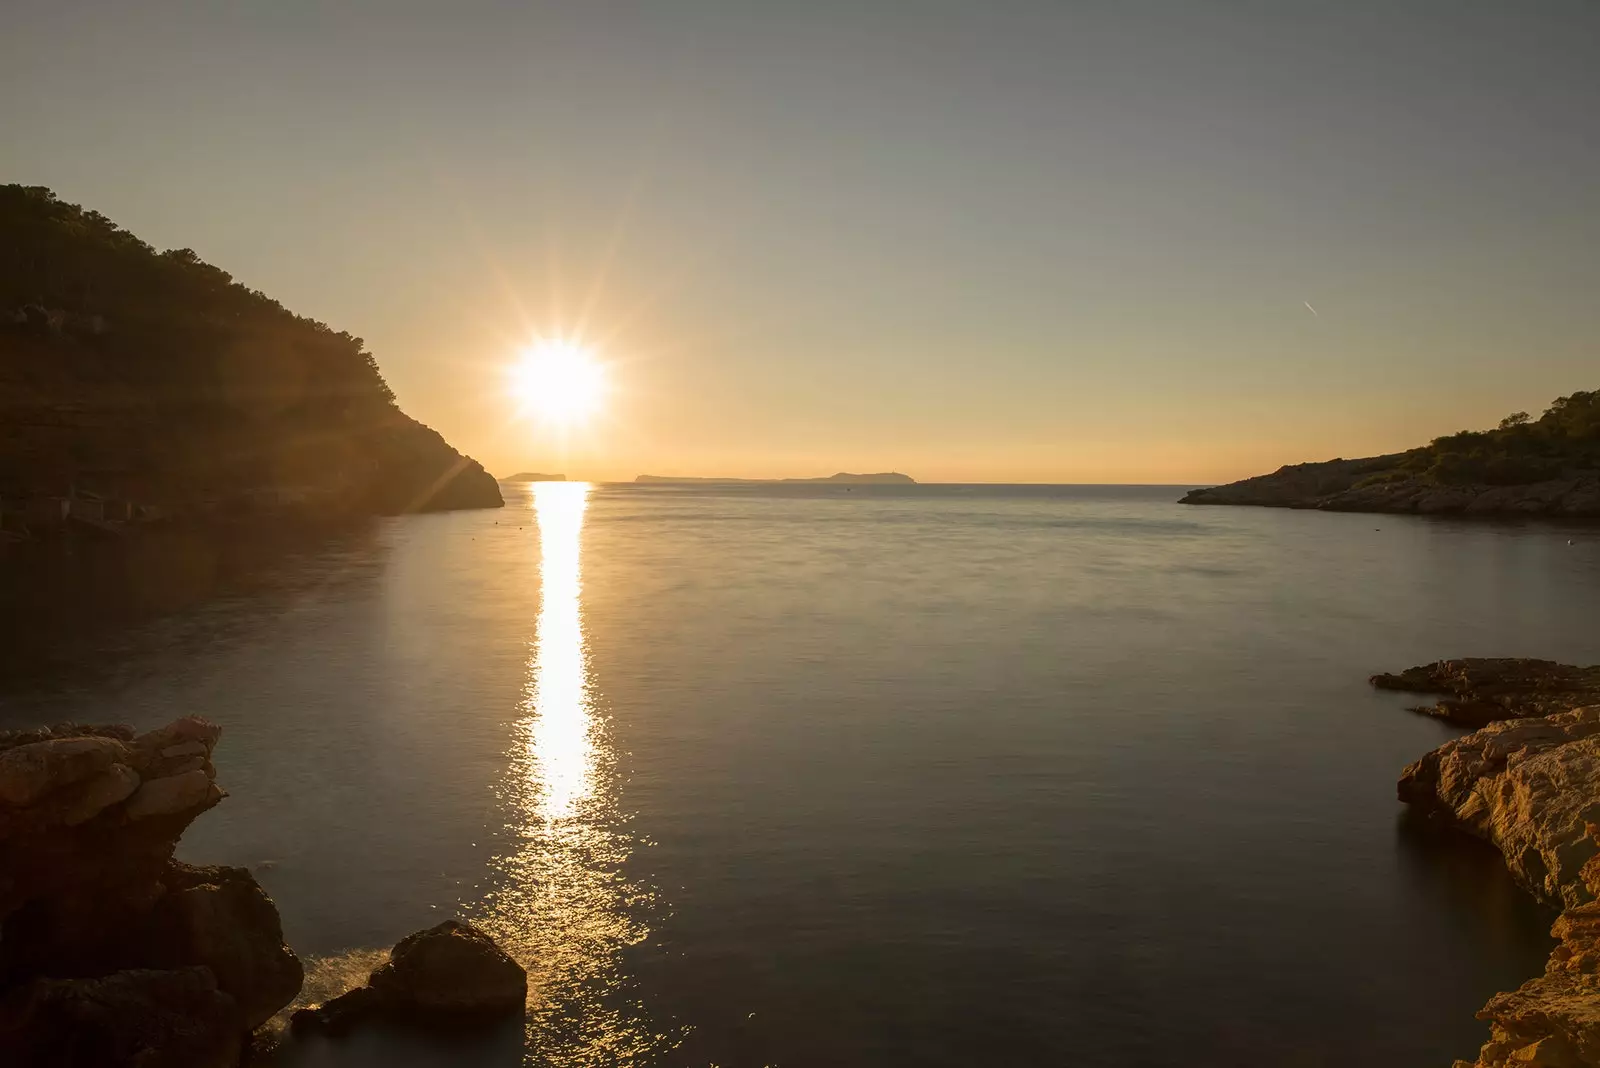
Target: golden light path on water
560,903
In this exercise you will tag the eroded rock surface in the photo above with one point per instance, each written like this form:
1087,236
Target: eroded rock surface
1553,1020
1529,786
102,932
1479,690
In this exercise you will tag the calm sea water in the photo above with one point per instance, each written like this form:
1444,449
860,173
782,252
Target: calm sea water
926,776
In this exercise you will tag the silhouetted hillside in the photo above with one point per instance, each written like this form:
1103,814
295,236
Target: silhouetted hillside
156,378
1544,466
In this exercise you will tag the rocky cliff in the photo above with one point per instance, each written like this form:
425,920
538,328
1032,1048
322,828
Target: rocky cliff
155,378
1530,786
112,953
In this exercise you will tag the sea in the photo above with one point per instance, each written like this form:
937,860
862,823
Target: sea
823,775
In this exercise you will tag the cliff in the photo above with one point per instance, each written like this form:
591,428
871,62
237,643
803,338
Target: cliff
1530,786
1547,467
155,378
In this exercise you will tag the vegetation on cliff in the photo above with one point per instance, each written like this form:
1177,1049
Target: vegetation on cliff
1549,465
155,377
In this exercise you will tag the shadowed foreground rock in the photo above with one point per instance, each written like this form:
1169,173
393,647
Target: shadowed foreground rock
1481,690
153,1019
450,973
111,952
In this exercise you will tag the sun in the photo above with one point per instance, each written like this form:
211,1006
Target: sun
559,381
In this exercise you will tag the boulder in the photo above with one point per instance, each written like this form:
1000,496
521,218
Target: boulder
220,917
449,973
129,1019
451,968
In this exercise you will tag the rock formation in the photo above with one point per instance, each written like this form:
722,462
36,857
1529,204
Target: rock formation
1480,690
1528,786
1553,1020
1531,787
447,973
111,952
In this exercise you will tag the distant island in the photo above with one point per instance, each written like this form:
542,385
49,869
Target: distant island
1548,466
533,476
884,478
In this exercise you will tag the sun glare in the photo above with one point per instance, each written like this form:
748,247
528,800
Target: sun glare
559,381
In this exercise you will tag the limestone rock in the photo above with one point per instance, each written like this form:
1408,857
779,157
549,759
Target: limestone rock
162,797
1529,786
129,1019
1480,690
451,968
116,783
28,772
1553,1020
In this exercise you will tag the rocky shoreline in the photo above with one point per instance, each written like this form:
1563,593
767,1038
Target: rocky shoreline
113,954
1367,485
1528,783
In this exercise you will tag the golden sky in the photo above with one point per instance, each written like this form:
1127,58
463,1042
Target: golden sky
1024,241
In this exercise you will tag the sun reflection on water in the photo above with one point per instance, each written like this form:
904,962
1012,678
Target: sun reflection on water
560,902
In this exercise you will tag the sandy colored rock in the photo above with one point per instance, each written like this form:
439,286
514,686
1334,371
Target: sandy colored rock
116,783
28,772
162,797
1529,786
1554,1020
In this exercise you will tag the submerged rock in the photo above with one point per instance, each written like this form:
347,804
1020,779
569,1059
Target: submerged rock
1481,690
448,973
451,968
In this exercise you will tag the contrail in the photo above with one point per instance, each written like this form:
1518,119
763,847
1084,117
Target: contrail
1309,308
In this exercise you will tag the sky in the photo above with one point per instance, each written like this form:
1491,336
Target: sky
1174,241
